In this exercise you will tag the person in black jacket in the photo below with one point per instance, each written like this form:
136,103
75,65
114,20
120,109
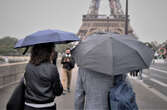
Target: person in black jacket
68,64
42,81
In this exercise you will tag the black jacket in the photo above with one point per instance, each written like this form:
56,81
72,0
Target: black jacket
42,83
68,65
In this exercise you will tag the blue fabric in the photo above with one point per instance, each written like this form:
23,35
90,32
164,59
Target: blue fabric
47,36
19,43
122,97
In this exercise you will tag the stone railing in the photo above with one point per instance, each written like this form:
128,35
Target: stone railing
11,73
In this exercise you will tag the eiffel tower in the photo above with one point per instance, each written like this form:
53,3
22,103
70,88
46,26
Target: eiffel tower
93,22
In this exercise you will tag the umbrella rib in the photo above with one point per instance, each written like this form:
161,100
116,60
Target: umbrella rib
134,50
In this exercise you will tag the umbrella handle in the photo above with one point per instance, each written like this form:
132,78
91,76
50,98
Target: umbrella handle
25,50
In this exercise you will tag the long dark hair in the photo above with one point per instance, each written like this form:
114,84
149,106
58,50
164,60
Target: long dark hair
41,53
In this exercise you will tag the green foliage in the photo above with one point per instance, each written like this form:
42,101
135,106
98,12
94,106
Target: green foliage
7,46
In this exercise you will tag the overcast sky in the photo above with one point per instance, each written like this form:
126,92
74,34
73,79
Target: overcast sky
19,18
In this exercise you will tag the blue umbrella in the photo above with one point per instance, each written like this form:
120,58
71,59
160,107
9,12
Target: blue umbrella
19,43
47,36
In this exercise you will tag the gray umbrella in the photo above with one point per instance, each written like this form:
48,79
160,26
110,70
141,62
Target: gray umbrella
112,54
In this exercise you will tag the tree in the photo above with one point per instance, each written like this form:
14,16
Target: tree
7,46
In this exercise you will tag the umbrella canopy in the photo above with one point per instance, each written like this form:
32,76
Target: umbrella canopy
112,54
19,43
47,36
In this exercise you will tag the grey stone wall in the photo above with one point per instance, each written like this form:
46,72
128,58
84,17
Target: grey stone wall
10,73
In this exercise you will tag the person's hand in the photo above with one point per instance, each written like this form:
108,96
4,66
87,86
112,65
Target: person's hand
68,60
64,60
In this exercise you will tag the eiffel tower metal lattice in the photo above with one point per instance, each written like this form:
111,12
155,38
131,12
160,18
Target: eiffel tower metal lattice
93,22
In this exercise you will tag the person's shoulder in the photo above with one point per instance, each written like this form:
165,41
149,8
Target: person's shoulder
29,66
47,66
50,65
51,68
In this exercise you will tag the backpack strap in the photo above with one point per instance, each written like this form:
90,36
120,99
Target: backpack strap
117,79
113,80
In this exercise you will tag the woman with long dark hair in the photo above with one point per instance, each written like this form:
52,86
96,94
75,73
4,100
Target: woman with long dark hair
42,79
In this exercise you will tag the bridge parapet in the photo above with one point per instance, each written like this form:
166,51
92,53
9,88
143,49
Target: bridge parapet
11,73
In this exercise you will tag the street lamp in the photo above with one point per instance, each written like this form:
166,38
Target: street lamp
108,24
126,18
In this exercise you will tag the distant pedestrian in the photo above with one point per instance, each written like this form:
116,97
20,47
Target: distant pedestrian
134,73
68,64
131,73
137,72
42,82
140,74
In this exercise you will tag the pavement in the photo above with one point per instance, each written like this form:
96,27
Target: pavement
151,92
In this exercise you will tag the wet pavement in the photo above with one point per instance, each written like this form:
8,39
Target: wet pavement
5,94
